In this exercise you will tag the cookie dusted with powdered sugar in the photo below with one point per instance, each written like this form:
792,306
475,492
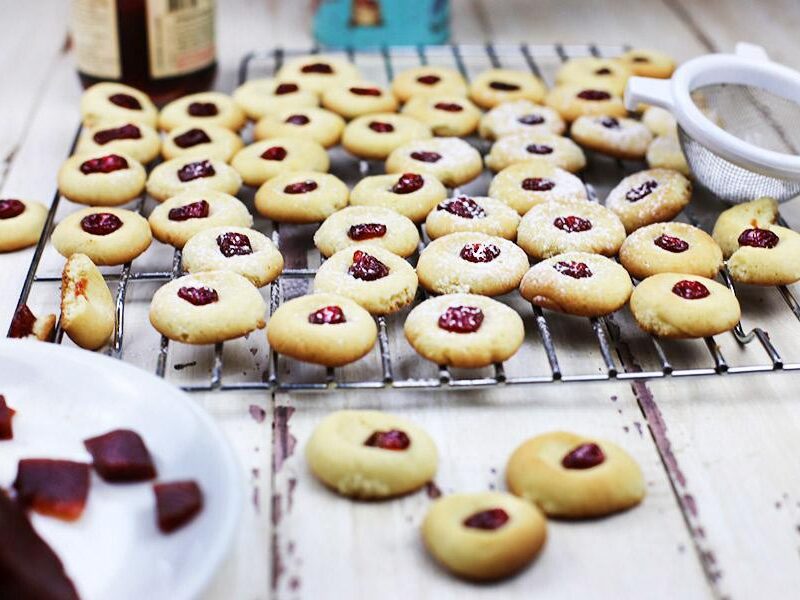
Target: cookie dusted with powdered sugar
559,151
524,185
520,116
614,136
451,160
649,196
472,213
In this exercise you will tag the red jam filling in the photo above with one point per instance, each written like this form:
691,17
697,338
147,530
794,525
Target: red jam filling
234,244
479,253
463,207
641,59
539,149
641,191
319,67
121,455
100,223
408,183
461,319
610,122
195,210
196,170
603,71
190,138
537,184
380,127
595,95
301,187
572,224
426,157
104,164
576,270
203,109
297,120
690,290
584,456
6,414
125,101
360,91
366,267
502,86
531,119
57,488
22,323
429,79
11,208
328,315
491,519
277,153
394,439
758,238
448,106
286,88
366,231
177,503
199,296
126,132
670,243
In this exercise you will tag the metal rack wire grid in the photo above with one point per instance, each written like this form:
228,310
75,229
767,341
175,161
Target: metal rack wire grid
608,332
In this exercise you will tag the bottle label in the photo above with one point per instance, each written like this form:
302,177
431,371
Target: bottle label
180,34
95,38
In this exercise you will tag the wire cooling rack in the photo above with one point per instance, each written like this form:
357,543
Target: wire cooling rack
611,343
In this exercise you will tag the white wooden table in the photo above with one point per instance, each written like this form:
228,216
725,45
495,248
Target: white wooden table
722,515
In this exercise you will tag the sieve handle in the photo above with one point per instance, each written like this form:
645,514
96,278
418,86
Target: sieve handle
649,91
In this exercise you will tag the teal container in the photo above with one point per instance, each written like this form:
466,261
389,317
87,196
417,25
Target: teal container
364,23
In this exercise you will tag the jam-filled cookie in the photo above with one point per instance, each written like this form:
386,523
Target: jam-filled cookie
87,308
325,329
311,123
318,72
495,86
367,225
207,308
648,63
108,236
101,178
451,160
590,71
649,197
483,536
269,158
473,263
413,195
670,248
301,197
21,223
577,283
660,121
131,138
201,109
375,136
574,476
572,100
570,226
615,136
676,305
206,141
759,214
192,173
472,213
378,280
525,184
446,115
259,97
358,98
177,219
428,80
109,101
370,454
464,330
245,251
559,151
665,152
26,325
520,116
767,256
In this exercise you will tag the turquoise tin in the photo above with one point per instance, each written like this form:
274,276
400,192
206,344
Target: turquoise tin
362,23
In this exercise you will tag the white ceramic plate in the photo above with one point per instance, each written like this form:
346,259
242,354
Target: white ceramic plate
115,550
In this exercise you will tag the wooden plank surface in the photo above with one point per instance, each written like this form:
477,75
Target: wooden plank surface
723,507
